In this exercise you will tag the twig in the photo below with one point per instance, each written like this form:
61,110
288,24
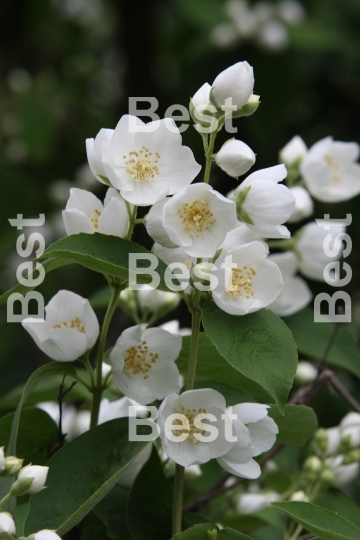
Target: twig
60,398
342,390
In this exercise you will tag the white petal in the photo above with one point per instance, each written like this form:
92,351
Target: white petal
249,470
83,200
263,435
76,222
154,224
275,174
250,412
114,219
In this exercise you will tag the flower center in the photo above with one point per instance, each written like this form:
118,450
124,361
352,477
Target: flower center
240,283
142,164
196,217
190,414
75,323
139,360
334,169
95,216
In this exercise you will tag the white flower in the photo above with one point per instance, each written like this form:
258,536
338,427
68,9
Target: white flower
184,437
296,294
39,475
343,474
240,236
94,149
7,525
155,226
46,534
333,440
174,328
69,330
143,363
310,249
249,503
85,213
235,158
291,11
273,34
2,459
306,373
154,299
198,218
201,98
235,82
350,429
262,430
299,496
294,151
263,204
304,206
252,284
148,162
330,171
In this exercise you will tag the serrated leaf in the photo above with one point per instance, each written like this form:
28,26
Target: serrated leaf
105,254
298,424
81,474
211,364
326,524
258,345
312,340
49,265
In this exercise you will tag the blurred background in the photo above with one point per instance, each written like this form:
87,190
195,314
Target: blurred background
68,66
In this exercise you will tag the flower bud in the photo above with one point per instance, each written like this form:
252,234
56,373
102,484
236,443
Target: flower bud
192,472
235,82
293,151
38,476
328,440
21,487
352,457
201,98
299,496
201,273
154,299
306,373
7,525
12,466
235,158
249,108
327,477
46,534
313,464
350,437
304,206
2,459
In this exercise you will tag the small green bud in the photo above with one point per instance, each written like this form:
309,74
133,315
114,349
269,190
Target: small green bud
352,457
313,464
212,535
321,438
21,486
12,466
327,477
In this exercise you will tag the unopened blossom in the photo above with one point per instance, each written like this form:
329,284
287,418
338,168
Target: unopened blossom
182,420
263,204
94,150
154,299
146,162
235,158
342,474
7,525
201,98
294,151
262,430
12,466
46,534
248,503
350,429
37,473
69,329
85,213
310,248
198,218
304,206
306,373
299,496
143,363
333,440
2,459
174,328
295,294
247,281
236,82
330,171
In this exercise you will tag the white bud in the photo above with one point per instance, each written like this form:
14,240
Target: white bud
201,98
154,299
46,534
12,465
350,429
313,464
201,272
305,373
333,441
254,502
2,459
304,206
235,82
7,525
235,158
38,474
299,496
192,472
293,151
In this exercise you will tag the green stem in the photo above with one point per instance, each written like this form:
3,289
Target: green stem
297,532
209,156
132,218
179,470
98,387
4,500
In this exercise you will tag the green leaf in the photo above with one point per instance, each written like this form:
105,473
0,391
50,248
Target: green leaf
327,525
212,365
37,435
208,531
259,345
298,424
81,474
312,340
49,266
105,254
